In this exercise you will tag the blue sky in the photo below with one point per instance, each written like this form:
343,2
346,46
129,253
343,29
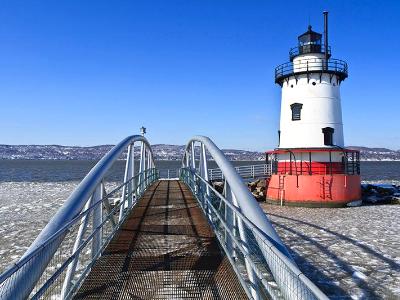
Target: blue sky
92,72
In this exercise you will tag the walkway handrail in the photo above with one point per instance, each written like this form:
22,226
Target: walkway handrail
88,194
244,197
244,231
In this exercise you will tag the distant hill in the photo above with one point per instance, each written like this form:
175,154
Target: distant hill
377,154
161,152
57,152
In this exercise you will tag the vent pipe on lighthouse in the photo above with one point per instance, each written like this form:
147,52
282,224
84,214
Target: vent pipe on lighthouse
326,38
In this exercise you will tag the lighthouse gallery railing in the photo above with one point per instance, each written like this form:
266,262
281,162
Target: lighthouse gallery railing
334,66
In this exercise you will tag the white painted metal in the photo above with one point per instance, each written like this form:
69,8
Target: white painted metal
129,171
235,222
193,161
291,282
320,96
72,267
142,162
245,199
97,219
314,61
24,279
203,163
251,171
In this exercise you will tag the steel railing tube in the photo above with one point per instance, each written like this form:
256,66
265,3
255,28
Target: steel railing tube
245,199
247,211
25,278
294,283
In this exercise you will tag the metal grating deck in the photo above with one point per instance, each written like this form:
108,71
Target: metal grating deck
165,250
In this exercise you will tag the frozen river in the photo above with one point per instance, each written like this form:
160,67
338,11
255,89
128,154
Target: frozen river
350,253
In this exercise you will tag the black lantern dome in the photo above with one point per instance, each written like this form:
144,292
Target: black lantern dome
308,42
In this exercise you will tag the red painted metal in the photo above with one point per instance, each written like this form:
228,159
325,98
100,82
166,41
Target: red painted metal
304,167
297,150
314,190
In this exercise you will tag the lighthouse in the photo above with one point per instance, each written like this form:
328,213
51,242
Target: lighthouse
311,166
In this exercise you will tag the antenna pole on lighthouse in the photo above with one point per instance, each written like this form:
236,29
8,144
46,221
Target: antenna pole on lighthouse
326,38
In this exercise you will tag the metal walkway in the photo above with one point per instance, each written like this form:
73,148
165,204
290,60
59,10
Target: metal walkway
151,239
164,250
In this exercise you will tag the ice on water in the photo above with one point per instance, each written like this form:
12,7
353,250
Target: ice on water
350,253
25,208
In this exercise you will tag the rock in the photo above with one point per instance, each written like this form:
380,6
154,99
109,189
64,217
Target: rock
260,189
380,193
379,199
395,200
259,196
261,183
373,199
385,189
219,186
254,183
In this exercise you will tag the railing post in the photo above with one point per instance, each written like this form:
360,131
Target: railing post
148,168
193,167
107,204
236,221
129,171
229,219
132,184
141,169
97,219
193,159
72,266
204,174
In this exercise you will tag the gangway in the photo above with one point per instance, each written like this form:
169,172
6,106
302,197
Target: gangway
164,239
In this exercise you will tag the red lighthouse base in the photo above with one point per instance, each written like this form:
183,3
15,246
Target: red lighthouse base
335,190
328,177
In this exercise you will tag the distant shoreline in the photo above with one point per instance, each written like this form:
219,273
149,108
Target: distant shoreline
241,160
162,152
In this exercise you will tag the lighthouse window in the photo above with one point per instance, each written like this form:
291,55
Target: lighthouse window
296,111
328,136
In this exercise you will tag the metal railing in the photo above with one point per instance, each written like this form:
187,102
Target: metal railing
62,255
168,173
250,171
258,256
349,165
336,66
307,49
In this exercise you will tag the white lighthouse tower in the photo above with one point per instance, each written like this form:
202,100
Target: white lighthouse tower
311,166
